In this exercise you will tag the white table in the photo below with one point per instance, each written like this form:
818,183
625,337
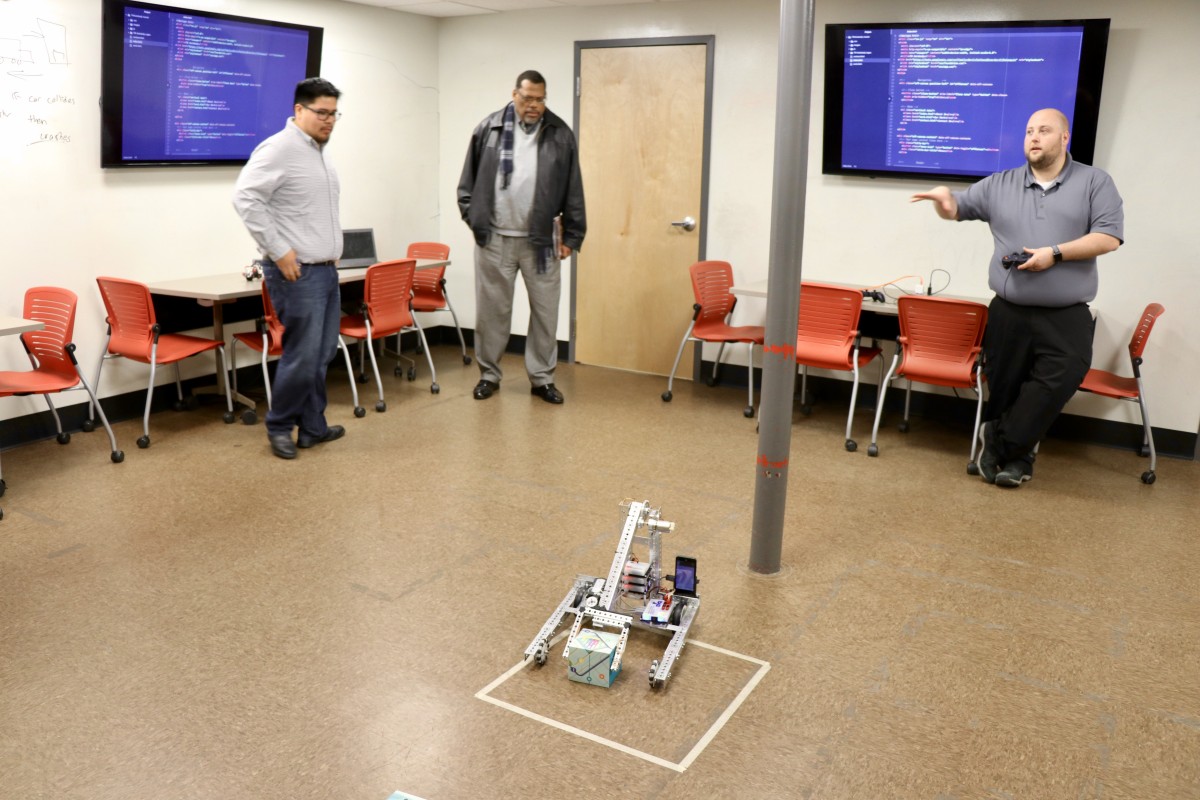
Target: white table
888,308
10,326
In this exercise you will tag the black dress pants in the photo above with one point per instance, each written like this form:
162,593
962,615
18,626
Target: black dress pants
1035,357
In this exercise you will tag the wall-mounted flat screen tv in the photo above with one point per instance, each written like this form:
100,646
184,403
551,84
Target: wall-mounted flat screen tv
949,100
183,88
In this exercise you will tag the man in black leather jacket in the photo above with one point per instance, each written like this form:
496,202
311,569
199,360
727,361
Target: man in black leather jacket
521,193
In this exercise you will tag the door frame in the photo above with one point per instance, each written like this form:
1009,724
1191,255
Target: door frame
710,43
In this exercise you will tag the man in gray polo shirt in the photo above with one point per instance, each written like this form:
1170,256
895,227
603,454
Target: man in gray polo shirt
1038,344
287,195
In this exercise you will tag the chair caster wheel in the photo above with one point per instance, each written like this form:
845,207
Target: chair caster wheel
398,371
851,445
63,438
748,412
434,389
229,417
666,396
381,406
143,442
118,456
360,412
249,417
179,405
872,450
466,359
972,468
88,426
362,378
711,381
806,410
903,427
1148,477
412,373
1144,451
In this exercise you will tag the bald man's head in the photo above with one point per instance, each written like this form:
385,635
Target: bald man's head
1046,137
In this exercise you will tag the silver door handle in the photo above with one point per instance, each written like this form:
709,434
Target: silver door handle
687,223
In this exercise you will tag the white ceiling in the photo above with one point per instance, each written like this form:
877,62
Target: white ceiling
463,8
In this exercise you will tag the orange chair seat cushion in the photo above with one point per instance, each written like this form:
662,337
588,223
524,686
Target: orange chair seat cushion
729,333
172,347
938,372
1109,384
13,384
424,303
823,355
355,326
254,341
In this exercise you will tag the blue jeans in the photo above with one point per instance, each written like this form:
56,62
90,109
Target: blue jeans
309,309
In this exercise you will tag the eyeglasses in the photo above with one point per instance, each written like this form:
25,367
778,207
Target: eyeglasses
536,101
323,114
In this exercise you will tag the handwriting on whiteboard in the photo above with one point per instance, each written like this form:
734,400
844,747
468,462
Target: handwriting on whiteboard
34,108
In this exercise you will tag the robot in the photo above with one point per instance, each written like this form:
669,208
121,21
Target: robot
632,595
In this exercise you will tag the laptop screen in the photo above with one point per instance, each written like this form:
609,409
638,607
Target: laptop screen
358,248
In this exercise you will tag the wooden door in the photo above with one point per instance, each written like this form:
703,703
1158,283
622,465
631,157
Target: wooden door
642,145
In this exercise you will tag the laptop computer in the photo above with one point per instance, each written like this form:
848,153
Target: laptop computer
358,248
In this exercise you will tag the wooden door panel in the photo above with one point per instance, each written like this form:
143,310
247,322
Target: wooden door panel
641,139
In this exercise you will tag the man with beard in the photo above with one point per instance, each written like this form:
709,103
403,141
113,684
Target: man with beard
1061,215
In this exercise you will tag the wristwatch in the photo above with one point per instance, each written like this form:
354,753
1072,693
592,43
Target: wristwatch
1057,254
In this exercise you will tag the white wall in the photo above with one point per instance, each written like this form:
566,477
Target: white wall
862,230
65,220
415,87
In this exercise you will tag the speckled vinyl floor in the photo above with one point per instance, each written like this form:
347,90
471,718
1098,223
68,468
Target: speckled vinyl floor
207,621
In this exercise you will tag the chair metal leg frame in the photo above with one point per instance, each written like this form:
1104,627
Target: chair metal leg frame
852,445
1148,437
423,346
749,410
380,406
359,411
666,396
972,465
717,366
461,341
250,416
117,455
873,448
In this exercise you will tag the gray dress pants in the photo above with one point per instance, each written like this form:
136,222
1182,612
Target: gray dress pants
496,268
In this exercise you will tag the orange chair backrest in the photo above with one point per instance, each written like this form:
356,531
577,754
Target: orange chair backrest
55,309
940,338
435,250
711,282
131,316
1141,334
387,294
427,289
827,325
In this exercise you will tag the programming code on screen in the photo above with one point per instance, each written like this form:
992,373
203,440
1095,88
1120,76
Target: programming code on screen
203,88
952,100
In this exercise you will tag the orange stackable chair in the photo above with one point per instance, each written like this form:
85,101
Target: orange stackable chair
941,342
134,333
1110,384
827,338
711,282
52,354
429,288
267,340
387,311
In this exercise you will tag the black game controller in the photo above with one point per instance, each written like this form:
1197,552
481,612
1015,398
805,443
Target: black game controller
875,295
1014,259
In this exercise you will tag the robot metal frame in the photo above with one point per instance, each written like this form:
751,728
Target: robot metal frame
631,596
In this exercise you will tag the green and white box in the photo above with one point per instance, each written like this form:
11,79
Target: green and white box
590,657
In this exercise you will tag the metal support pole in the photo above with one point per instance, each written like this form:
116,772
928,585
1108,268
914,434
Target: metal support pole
783,284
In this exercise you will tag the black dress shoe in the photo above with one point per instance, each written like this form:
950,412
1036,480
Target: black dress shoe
331,433
282,445
548,393
485,389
